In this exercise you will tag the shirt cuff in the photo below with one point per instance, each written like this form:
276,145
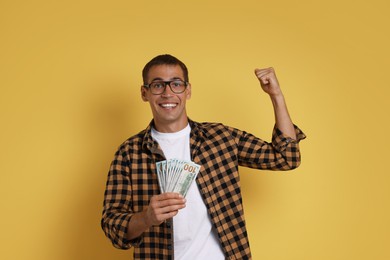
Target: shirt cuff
281,141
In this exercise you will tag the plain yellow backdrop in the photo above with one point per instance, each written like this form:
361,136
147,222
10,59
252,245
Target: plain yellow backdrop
70,80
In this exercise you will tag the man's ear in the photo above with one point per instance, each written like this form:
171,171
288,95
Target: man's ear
188,91
143,94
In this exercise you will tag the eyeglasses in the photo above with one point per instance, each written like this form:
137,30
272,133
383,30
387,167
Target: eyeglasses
158,87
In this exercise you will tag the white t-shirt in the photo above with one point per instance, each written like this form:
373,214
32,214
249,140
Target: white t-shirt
194,236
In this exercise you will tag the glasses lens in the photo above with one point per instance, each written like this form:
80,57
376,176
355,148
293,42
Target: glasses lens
177,86
157,87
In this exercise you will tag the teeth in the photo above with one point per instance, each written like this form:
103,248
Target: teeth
168,105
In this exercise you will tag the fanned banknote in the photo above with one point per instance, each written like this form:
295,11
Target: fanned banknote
175,175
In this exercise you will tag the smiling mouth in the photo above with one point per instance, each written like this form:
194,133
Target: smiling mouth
168,105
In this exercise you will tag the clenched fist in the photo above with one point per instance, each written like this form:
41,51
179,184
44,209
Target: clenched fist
268,81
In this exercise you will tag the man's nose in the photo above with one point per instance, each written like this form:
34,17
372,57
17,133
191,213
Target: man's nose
167,89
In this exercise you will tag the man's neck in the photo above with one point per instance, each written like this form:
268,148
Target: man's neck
170,127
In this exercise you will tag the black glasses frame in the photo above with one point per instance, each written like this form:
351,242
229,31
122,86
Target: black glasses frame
167,83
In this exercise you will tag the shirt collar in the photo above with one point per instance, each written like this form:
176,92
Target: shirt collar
149,143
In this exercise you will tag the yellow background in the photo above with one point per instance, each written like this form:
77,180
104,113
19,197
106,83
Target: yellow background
70,77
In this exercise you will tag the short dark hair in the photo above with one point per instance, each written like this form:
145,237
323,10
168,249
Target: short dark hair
164,59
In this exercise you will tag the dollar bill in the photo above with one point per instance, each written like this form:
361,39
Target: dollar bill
175,175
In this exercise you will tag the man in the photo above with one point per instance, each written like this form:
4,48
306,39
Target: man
209,223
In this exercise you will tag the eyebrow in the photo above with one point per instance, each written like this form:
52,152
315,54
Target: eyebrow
160,79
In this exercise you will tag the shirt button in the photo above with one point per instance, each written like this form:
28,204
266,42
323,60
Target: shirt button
168,224
169,247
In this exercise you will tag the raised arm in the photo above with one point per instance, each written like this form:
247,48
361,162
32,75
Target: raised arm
269,83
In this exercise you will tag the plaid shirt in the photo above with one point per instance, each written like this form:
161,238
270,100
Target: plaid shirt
219,149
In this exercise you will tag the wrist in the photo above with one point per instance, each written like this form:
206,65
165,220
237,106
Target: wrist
277,98
145,219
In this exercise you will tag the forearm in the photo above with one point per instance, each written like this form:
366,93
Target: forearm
137,225
282,117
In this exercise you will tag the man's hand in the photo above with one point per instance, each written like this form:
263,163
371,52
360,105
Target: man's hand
163,207
268,81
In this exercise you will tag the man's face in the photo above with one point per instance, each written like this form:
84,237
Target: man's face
168,108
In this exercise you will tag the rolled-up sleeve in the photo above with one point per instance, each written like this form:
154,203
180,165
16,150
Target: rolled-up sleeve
281,154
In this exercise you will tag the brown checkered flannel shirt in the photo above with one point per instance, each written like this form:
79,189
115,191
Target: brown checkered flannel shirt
219,149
